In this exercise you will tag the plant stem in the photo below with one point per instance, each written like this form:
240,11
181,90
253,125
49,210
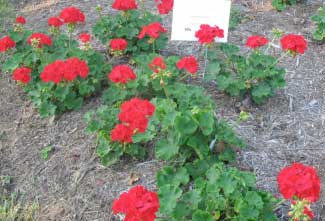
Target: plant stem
205,60
276,206
165,91
153,47
281,57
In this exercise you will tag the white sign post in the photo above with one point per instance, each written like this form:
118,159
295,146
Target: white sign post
188,15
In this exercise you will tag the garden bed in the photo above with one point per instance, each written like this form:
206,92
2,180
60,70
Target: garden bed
72,184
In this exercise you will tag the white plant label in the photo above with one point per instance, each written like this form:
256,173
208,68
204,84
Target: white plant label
188,15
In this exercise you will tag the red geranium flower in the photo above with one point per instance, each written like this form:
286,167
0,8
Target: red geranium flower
152,30
256,41
299,181
6,43
22,74
55,22
53,72
72,15
157,64
122,133
135,113
65,70
124,5
294,43
206,34
84,37
122,74
76,67
20,20
189,64
42,39
139,204
165,6
118,44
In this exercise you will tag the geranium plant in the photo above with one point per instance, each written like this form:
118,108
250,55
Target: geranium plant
301,185
256,74
319,19
206,190
55,70
280,5
142,31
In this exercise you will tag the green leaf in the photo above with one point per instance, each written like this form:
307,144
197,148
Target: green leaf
172,176
168,196
200,147
206,121
72,102
200,215
212,71
185,124
45,152
47,109
254,200
165,149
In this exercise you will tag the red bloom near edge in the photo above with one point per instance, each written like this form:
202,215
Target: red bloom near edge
22,74
55,22
299,181
256,41
122,74
190,64
72,15
20,20
206,34
139,204
84,37
152,30
6,43
43,39
294,43
309,213
118,44
122,133
124,5
157,64
165,6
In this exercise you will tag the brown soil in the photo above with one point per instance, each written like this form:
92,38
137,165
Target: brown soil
72,185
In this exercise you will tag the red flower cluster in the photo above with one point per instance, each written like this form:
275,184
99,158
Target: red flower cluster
308,213
65,70
20,20
22,74
125,5
206,34
122,74
256,41
42,39
190,64
152,30
72,15
118,44
84,37
157,64
134,117
138,204
294,43
299,181
6,43
55,22
165,6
